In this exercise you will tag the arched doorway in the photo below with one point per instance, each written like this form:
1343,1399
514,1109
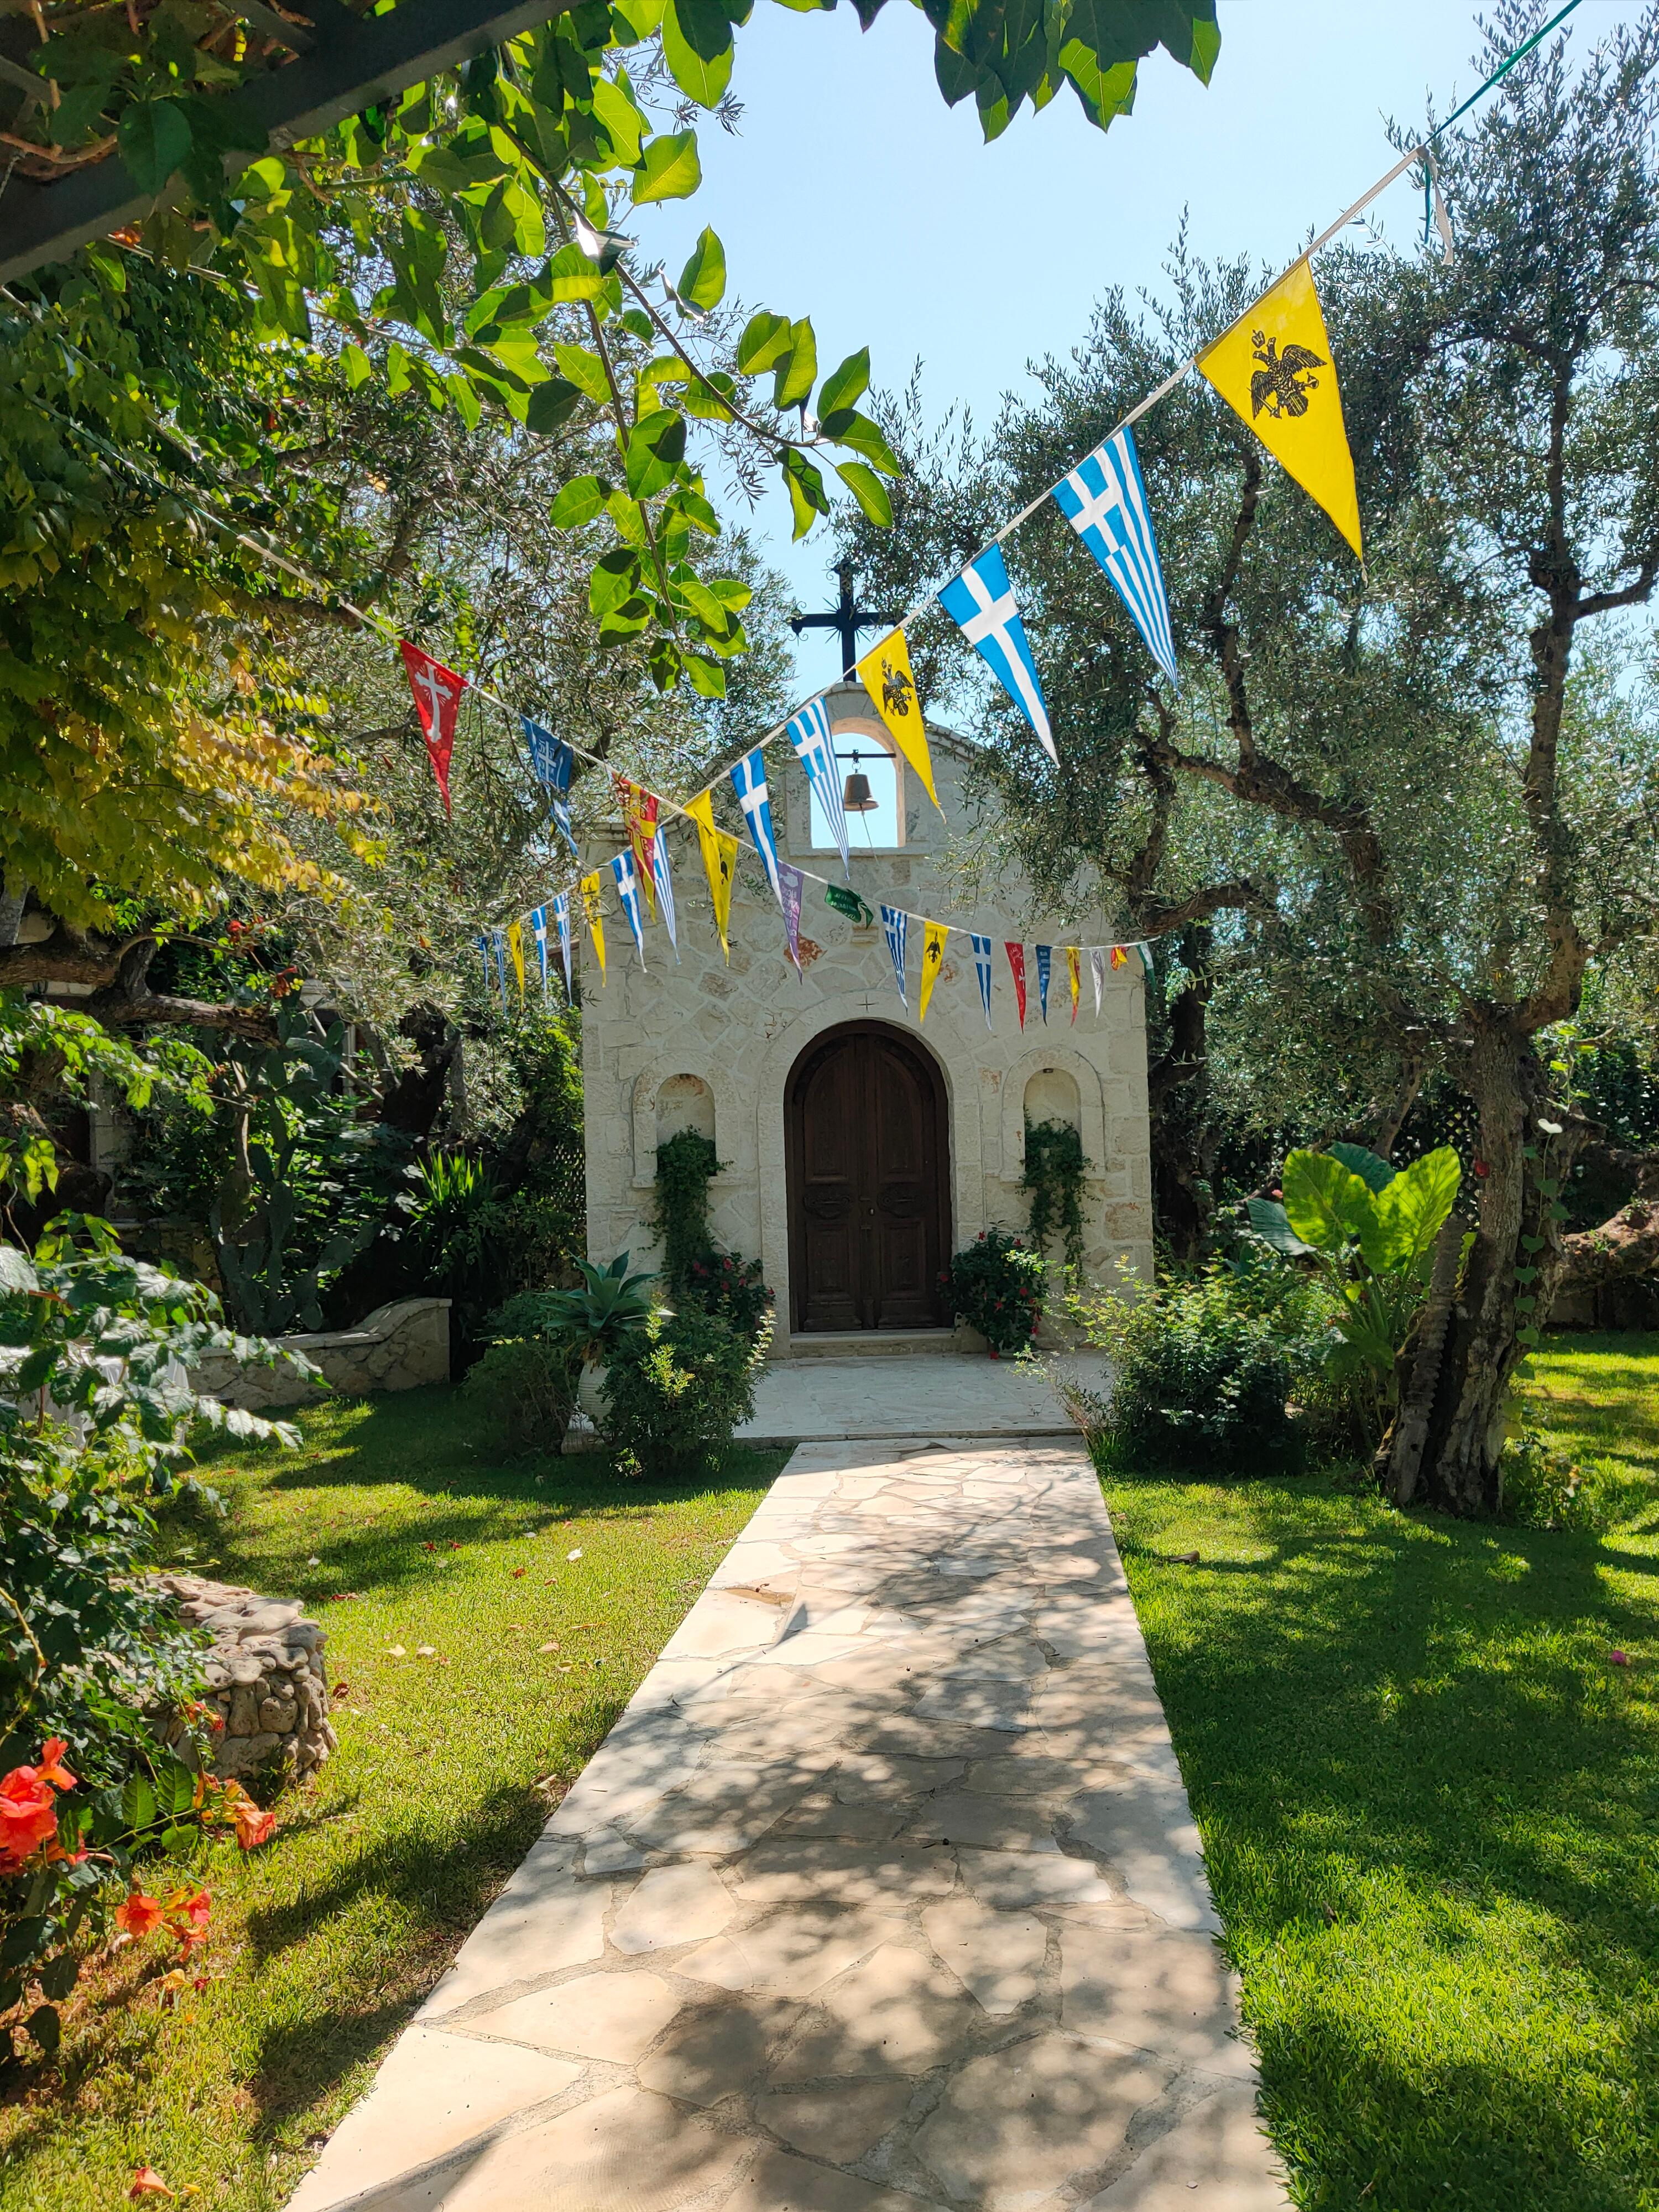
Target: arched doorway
869,1182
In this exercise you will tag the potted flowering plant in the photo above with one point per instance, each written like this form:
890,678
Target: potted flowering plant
995,1284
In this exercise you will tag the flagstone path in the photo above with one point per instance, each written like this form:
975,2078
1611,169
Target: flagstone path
882,1895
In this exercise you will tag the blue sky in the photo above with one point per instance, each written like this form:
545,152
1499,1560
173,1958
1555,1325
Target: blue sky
853,194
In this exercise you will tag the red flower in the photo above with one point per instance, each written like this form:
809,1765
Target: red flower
51,1768
146,2182
137,1913
254,1826
28,1814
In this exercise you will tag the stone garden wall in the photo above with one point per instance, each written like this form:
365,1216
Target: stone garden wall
397,1347
265,1676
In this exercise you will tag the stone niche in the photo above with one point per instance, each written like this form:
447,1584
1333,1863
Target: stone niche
265,1674
1052,1094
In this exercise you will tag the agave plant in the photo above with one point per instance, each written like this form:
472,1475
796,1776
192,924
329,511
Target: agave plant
610,1306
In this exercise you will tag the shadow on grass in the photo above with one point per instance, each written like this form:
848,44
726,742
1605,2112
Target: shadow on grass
1406,1746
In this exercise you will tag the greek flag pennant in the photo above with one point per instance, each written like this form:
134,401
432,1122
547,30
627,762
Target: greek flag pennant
562,923
1045,954
1105,501
814,748
664,883
791,883
553,764
980,602
627,892
982,969
539,931
749,781
897,923
1017,967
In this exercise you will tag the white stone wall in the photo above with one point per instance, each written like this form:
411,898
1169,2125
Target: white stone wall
702,1044
397,1347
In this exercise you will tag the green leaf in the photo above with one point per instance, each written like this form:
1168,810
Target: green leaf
153,140
867,487
845,387
634,21
655,451
16,1273
356,364
765,340
585,370
1410,1209
1373,1171
669,170
624,125
793,385
804,484
616,578
571,275
579,501
705,677
847,427
697,46
552,405
1326,1204
703,280
43,2026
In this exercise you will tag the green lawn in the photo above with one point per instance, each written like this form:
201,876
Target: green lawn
326,1940
1430,1806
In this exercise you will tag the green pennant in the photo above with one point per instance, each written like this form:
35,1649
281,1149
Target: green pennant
849,903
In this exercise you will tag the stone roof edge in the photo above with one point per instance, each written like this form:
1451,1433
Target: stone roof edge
953,740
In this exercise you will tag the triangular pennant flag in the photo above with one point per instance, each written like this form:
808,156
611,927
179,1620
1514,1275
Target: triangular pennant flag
437,692
1147,969
539,930
814,748
515,949
1017,965
1075,975
982,969
1045,960
498,941
885,672
897,923
719,862
664,883
749,781
591,910
933,934
1097,969
489,972
562,923
1274,370
980,602
1105,501
848,902
790,883
627,893
639,813
552,764
1120,958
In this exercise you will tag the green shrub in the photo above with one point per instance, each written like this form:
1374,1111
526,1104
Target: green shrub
730,1286
676,1390
686,1164
525,1379
1202,1377
1544,1487
996,1284
1054,1168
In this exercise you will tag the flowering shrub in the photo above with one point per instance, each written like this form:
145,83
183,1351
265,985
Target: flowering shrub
729,1286
996,1284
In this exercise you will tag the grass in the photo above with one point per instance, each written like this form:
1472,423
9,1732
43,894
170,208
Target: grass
397,1526
1429,1803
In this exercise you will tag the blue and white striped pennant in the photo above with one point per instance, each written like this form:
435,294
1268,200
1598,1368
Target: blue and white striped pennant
982,969
1045,954
809,733
665,886
1105,501
484,948
538,929
498,939
562,923
897,923
749,781
628,892
980,602
554,764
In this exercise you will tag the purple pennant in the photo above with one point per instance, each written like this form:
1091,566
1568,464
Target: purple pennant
790,881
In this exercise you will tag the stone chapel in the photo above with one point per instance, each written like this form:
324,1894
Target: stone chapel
859,1148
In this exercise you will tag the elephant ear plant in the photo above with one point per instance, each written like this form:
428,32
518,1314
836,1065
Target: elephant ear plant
1370,1229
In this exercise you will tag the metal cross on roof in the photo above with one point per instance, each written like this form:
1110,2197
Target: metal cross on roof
846,618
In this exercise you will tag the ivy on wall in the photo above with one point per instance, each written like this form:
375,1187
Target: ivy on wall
686,1166
1056,1165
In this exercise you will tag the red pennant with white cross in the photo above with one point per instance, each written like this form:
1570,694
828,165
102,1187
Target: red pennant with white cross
437,692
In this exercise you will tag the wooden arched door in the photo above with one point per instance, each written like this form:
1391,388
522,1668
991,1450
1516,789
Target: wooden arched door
869,1200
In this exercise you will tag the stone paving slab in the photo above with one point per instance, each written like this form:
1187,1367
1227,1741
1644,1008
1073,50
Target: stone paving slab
944,1394
882,1895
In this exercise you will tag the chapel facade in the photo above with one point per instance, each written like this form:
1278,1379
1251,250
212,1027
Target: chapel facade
860,1147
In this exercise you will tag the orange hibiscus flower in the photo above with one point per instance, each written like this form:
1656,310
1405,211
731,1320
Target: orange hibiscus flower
28,1816
137,1913
254,1825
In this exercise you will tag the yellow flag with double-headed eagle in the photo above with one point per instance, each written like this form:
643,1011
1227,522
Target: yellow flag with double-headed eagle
515,949
1273,368
719,863
933,935
590,908
885,672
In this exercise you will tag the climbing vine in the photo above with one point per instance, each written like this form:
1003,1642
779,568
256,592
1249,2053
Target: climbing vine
1055,1169
686,1166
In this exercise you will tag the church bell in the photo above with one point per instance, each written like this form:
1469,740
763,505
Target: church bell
857,798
